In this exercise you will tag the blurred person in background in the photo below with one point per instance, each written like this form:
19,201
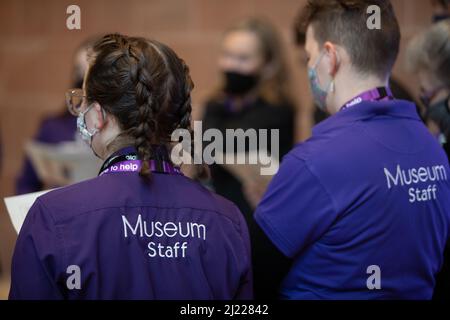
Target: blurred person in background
428,57
441,10
254,94
54,129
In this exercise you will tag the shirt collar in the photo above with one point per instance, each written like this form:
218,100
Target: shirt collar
368,110
123,151
159,151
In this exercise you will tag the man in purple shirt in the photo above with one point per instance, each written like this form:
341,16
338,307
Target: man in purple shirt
363,206
141,230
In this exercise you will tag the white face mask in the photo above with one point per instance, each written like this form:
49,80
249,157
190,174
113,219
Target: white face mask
85,134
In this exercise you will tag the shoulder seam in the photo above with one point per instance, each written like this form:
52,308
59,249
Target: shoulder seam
61,222
322,186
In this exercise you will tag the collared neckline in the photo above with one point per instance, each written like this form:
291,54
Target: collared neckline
122,152
367,110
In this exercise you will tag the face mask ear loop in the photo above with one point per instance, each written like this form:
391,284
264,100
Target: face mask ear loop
318,60
331,85
93,134
82,116
95,131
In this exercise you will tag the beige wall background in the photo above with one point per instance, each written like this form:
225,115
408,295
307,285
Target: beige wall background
36,52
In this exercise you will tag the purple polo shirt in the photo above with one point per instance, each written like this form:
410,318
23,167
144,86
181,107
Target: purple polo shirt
363,207
167,239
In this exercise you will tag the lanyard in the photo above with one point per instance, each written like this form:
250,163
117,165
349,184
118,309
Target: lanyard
377,94
130,163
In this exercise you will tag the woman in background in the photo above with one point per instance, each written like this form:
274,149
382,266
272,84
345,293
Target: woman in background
441,10
254,94
428,56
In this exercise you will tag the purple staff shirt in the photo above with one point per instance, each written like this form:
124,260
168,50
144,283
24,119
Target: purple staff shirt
128,239
363,207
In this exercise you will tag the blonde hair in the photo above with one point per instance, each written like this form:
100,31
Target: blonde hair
430,51
274,89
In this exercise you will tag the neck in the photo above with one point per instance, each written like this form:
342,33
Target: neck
114,145
344,92
106,153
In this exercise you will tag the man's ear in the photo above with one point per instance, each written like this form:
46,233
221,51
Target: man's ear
100,116
333,56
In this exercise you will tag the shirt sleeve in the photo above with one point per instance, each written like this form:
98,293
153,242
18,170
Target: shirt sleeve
296,209
28,180
34,267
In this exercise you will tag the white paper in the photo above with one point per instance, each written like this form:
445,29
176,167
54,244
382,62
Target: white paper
64,163
18,207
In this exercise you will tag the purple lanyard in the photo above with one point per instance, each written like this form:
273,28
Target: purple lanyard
135,166
377,94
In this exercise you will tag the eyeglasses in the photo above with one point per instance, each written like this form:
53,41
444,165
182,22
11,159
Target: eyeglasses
75,99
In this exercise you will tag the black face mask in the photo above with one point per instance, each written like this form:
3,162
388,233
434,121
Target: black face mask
238,83
440,114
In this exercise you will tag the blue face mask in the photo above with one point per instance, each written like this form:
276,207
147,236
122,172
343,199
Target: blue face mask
319,94
85,134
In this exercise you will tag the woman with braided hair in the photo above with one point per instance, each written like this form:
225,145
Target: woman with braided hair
140,230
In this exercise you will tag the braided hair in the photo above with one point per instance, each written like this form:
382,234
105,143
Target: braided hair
145,86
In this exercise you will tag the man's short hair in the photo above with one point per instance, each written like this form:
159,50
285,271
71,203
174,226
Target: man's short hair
344,22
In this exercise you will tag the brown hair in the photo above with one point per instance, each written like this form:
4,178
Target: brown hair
274,89
430,51
145,86
344,22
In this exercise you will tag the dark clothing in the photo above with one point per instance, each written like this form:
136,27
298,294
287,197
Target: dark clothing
442,290
52,130
269,265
